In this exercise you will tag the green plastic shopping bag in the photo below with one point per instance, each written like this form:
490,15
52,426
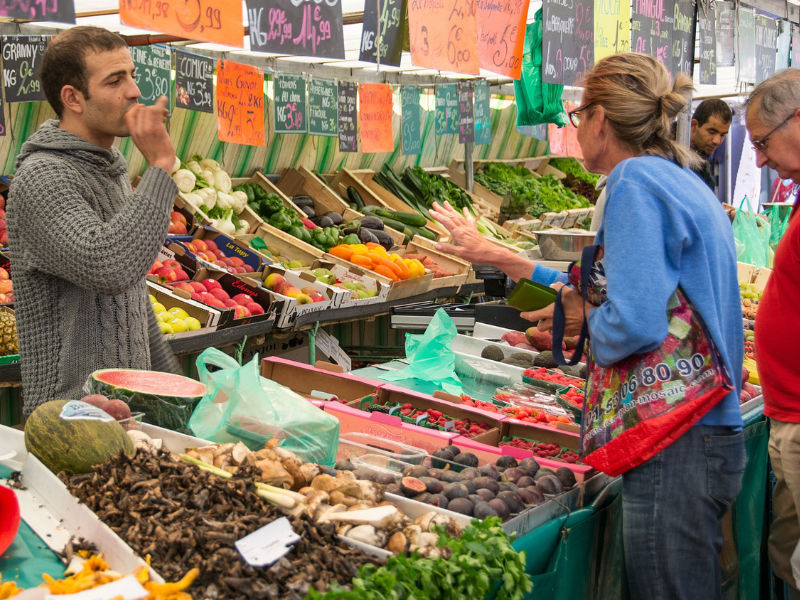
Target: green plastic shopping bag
240,405
752,235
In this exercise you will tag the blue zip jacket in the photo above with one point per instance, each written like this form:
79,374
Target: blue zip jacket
663,227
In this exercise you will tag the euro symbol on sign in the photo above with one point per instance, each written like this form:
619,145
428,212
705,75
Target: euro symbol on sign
187,11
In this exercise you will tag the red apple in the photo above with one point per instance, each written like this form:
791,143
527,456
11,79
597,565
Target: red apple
178,228
219,293
156,266
243,299
240,311
172,263
207,297
200,245
255,309
176,216
198,287
166,274
185,286
181,275
217,252
211,244
211,284
248,269
229,303
197,296
4,274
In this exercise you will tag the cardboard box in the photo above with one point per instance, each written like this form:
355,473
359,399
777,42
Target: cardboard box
397,289
355,274
208,316
238,285
304,379
291,309
392,394
281,244
388,427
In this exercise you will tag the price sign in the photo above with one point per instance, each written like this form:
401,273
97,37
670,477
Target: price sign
240,103
391,31
348,117
290,104
443,35
766,39
683,37
466,113
651,29
612,28
706,21
446,109
567,40
153,72
746,56
323,108
22,59
725,28
217,21
194,82
375,114
410,119
501,35
297,27
60,11
483,116
795,54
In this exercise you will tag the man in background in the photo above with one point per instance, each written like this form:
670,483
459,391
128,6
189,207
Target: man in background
710,124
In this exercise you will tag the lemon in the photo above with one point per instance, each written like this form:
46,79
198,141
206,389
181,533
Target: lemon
159,308
192,323
178,325
178,312
152,298
165,327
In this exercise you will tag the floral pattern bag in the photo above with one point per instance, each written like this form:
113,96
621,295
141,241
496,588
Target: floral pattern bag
639,406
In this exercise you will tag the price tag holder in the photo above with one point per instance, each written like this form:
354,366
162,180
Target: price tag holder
268,544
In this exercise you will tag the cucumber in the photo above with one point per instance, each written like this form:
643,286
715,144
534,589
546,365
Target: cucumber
426,233
397,225
355,197
409,218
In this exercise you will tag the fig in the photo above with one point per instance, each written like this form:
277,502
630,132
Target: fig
549,485
488,483
432,485
468,459
500,507
507,486
436,473
118,409
423,497
416,471
506,462
461,505
474,498
512,500
471,487
450,477
485,494
531,495
384,478
411,486
393,488
566,477
529,465
455,490
470,473
440,456
525,481
483,510
490,471
513,474
439,500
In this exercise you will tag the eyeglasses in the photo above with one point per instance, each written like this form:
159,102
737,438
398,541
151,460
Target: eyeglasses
761,144
574,115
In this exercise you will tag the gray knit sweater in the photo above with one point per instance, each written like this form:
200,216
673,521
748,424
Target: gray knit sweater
81,243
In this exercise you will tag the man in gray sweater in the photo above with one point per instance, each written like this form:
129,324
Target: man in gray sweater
81,241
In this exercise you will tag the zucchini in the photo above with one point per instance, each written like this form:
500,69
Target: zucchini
409,218
424,232
355,197
397,225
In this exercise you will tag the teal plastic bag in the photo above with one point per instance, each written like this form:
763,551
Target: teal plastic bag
778,224
752,235
240,405
430,355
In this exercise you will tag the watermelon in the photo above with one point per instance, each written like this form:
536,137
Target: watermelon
73,446
167,400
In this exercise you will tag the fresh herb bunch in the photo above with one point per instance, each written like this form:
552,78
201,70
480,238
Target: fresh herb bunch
480,561
570,166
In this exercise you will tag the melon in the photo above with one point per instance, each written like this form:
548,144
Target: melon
73,446
166,399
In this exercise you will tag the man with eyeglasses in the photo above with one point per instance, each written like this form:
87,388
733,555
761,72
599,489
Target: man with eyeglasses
772,121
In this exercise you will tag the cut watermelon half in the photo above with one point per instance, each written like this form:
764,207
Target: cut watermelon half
151,382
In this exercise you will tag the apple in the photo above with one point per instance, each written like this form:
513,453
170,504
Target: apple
219,293
156,266
185,286
304,299
207,297
242,299
229,303
177,228
198,287
176,216
273,280
236,261
217,252
200,245
5,298
197,296
255,309
4,274
211,284
291,291
248,269
211,244
240,311
181,275
172,263
166,274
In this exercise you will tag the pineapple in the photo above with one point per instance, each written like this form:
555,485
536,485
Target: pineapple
8,333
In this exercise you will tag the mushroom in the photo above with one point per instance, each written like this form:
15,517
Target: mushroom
273,473
397,543
324,516
239,453
368,535
379,516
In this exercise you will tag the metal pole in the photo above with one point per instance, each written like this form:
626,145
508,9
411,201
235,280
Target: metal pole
469,169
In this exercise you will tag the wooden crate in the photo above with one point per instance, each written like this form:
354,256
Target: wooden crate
397,289
298,181
460,268
286,245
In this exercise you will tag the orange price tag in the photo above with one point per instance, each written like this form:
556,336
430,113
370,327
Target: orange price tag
240,103
443,35
375,114
501,35
217,21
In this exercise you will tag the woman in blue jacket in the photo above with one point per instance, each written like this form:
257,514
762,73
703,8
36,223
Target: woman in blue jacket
662,229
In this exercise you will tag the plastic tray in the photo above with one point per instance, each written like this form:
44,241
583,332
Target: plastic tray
354,444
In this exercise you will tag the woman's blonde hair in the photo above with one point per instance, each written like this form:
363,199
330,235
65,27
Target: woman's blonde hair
640,103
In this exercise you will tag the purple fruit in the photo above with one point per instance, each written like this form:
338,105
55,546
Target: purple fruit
506,462
411,486
549,485
566,477
490,471
468,459
500,508
485,494
507,486
439,500
513,474
432,486
469,473
486,482
529,465
531,495
455,490
512,500
483,510
461,505
450,477
416,471
525,481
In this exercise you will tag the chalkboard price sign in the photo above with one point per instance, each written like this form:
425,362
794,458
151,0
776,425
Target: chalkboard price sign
483,117
766,46
60,11
348,117
706,22
746,55
153,72
446,109
290,104
22,58
298,27
466,113
409,117
323,108
194,82
725,22
651,29
567,40
682,37
391,28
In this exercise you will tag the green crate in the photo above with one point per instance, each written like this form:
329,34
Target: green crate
9,360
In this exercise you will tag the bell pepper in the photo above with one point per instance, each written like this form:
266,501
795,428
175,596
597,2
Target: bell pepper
281,221
308,224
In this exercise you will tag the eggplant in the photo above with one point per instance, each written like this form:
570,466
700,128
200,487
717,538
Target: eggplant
384,239
371,222
309,210
365,235
326,222
302,200
335,217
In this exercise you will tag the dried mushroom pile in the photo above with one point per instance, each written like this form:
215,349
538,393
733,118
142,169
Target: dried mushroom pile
184,517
